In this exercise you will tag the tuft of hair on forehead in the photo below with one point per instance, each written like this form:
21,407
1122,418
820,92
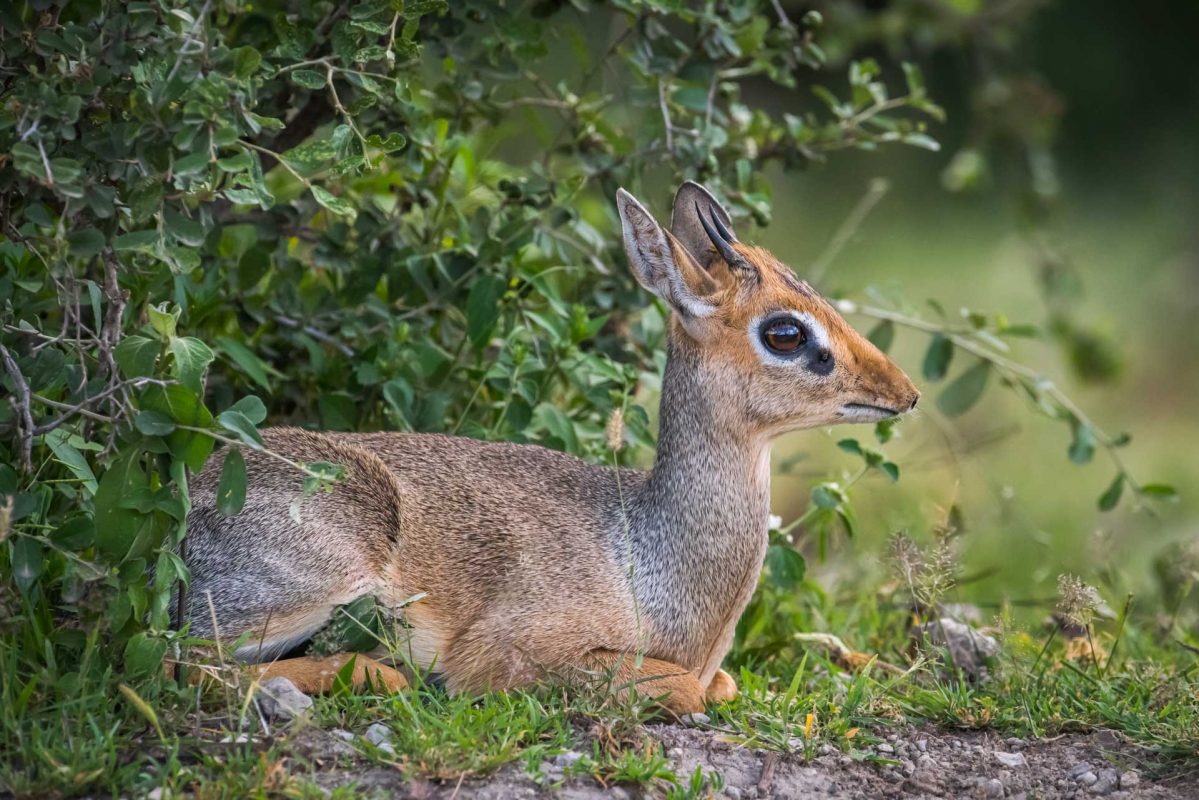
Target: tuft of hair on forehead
773,270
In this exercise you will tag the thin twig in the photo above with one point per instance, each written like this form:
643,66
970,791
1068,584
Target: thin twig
875,192
21,404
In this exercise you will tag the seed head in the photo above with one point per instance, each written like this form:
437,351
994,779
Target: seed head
1076,600
616,430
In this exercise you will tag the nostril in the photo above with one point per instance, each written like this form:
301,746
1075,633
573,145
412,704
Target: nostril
915,400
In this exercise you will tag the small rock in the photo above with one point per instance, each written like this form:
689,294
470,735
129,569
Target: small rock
567,760
885,748
1130,779
619,793
1014,743
280,699
908,767
1011,760
969,649
926,762
922,745
695,720
342,734
155,794
378,733
387,747
732,792
992,788
1087,778
828,750
1078,769
1107,781
675,752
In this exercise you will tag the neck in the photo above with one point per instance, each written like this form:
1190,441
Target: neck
698,522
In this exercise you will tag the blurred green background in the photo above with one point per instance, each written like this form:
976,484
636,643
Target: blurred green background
1122,88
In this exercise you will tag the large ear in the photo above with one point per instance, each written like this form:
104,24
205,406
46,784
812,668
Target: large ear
661,264
689,201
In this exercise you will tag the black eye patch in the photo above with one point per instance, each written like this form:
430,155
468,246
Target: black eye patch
787,337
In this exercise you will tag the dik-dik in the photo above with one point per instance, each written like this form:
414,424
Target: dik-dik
530,562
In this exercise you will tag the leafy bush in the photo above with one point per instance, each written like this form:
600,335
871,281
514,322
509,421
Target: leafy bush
386,215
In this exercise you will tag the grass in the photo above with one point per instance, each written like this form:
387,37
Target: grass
68,733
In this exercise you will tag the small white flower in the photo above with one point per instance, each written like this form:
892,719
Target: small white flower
775,521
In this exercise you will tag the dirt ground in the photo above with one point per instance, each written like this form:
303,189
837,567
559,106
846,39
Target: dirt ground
914,763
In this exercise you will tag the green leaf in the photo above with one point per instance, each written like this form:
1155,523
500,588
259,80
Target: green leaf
116,525
483,309
85,243
392,143
153,423
182,404
786,565
246,359
231,489
308,78
958,397
251,407
1082,449
332,201
28,562
137,241
164,319
144,654
1161,491
937,358
1111,496
246,61
239,423
192,164
192,358
66,454
136,355
559,425
882,335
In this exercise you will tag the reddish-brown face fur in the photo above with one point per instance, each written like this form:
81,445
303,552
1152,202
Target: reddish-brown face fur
776,395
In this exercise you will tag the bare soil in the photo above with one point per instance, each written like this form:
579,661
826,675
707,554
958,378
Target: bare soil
912,763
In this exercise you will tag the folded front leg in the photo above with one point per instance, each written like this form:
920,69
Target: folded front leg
313,675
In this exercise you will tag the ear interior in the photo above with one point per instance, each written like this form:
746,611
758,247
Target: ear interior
685,223
661,263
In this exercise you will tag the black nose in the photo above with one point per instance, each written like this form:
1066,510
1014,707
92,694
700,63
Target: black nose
915,400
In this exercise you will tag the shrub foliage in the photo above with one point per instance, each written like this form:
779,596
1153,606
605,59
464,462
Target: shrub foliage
375,215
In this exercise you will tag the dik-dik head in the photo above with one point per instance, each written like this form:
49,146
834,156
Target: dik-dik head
769,345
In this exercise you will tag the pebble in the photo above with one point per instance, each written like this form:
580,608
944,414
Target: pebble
567,760
908,767
1012,760
926,762
1130,779
618,793
922,745
695,720
1080,768
1106,782
992,788
1087,778
732,792
378,734
885,748
342,734
279,699
828,750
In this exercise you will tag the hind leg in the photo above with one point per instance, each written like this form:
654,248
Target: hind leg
676,689
315,675
722,688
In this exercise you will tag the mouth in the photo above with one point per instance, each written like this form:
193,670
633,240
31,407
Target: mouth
866,412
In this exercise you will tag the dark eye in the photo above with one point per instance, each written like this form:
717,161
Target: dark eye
783,336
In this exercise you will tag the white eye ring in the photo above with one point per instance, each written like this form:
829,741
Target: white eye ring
817,335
